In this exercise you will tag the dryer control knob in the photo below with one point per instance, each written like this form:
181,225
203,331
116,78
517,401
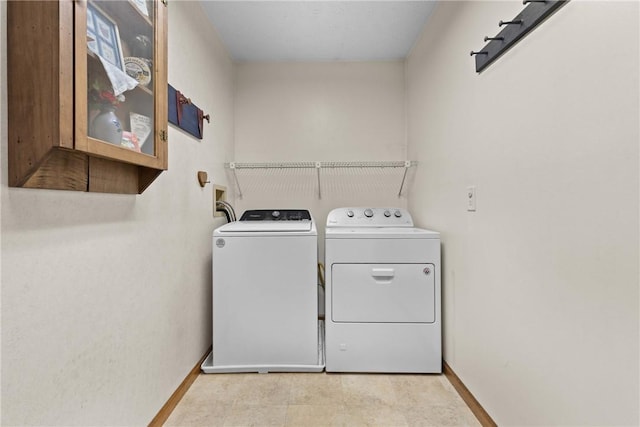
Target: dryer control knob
350,214
387,214
275,214
397,214
368,213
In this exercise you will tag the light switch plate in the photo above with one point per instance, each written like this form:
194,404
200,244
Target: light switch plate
471,198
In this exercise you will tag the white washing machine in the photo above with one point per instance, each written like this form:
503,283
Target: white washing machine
265,301
382,293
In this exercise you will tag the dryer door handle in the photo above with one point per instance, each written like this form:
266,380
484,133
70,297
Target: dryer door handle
383,273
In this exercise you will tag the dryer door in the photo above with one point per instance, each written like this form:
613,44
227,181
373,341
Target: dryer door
383,293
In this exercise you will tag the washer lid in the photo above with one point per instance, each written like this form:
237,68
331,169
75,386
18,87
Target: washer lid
380,233
305,225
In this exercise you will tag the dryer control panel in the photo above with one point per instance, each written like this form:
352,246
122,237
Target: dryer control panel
369,217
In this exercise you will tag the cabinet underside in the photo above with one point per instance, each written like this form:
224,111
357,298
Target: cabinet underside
70,170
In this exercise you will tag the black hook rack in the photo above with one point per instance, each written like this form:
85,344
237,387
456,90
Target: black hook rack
531,16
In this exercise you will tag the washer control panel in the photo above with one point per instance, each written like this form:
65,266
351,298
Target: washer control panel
369,217
276,215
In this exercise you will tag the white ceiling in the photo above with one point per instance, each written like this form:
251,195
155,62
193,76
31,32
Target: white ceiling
318,30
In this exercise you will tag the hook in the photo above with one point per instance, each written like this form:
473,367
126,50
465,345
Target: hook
185,100
207,118
202,178
517,21
533,1
479,53
493,38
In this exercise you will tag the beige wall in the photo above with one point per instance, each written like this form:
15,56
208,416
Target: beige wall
295,112
106,298
541,283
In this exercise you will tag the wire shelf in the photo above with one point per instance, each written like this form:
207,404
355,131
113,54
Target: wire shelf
406,164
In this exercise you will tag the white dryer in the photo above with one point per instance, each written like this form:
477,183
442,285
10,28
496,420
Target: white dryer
265,301
382,293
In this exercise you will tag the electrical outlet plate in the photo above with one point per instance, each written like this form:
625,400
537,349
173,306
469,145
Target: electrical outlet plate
471,198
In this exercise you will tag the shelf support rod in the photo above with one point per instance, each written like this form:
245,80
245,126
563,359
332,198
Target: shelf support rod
232,166
318,166
407,165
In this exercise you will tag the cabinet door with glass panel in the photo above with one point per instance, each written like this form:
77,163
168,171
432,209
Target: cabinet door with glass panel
120,81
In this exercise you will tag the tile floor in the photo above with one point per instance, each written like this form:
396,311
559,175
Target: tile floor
301,399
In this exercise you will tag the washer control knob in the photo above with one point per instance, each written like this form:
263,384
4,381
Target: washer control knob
387,214
350,213
397,214
368,213
275,214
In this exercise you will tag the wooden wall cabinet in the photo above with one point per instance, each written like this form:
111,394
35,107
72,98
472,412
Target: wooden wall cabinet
56,89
